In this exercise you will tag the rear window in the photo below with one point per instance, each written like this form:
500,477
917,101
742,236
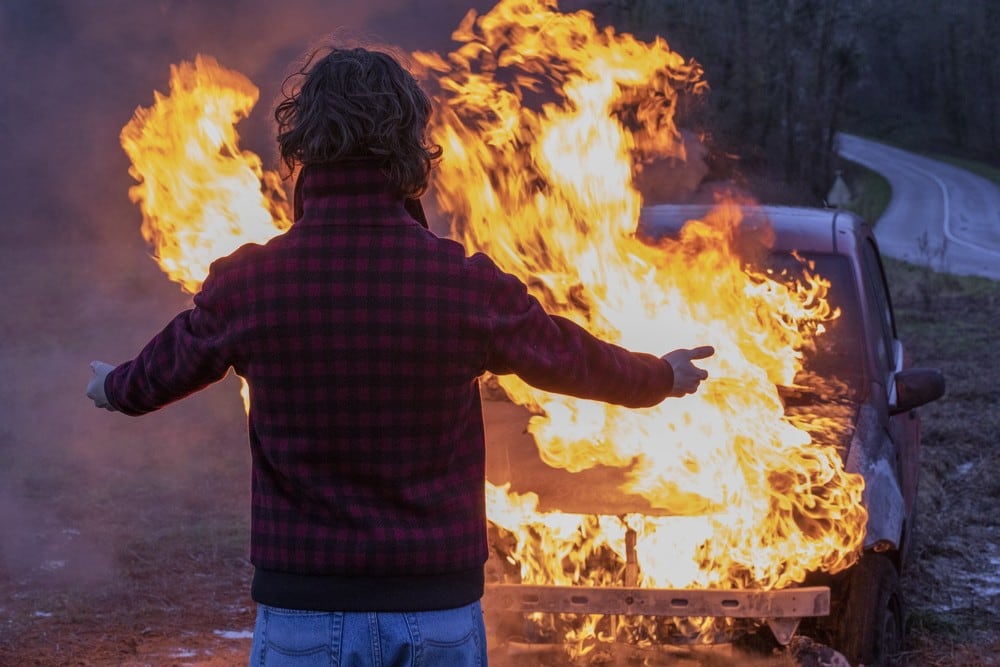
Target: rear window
833,368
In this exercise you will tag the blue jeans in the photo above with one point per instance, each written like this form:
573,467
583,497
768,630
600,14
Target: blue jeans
446,638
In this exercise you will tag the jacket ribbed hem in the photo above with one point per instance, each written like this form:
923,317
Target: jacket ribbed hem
366,593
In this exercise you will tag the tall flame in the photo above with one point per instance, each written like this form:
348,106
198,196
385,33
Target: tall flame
201,196
545,120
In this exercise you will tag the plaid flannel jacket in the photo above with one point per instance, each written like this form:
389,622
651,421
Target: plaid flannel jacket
362,336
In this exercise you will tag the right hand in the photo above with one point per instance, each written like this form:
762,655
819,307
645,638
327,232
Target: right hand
687,376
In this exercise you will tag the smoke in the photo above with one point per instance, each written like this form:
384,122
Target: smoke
73,73
80,488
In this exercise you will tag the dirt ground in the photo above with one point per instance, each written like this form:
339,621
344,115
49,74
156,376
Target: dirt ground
124,540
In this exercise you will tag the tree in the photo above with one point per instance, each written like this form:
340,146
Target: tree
787,75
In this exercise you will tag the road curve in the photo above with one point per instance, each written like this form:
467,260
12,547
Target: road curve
939,214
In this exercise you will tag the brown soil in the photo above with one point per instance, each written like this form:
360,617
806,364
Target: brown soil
124,540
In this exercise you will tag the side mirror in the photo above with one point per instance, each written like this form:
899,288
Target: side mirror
916,387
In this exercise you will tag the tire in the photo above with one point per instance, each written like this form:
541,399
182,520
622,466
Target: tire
870,626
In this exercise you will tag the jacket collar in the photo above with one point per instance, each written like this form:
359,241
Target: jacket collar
350,192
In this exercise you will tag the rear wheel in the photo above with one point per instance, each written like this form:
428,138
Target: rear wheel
870,626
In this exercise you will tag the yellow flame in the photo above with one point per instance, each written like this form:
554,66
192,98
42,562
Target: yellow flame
201,196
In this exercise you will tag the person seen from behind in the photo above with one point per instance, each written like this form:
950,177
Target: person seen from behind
362,336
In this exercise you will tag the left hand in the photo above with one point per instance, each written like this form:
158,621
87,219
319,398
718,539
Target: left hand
95,388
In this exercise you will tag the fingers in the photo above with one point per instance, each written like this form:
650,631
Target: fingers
101,367
687,376
702,352
686,355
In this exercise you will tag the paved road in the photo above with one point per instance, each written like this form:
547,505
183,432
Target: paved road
954,214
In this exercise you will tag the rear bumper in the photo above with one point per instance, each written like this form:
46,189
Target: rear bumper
780,609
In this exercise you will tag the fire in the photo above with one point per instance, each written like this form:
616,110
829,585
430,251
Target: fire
201,196
545,121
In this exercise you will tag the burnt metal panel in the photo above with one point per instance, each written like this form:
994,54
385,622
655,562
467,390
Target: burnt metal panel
784,603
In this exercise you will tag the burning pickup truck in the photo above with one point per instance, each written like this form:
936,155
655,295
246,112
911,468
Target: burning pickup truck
855,395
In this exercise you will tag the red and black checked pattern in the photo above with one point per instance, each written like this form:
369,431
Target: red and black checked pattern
362,336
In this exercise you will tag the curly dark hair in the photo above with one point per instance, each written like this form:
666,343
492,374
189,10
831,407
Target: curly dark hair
356,103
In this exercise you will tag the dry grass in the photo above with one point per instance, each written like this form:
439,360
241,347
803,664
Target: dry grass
952,583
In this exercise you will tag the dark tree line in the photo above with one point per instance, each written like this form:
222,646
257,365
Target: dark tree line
787,75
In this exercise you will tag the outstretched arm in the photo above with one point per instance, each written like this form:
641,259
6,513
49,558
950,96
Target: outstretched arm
555,354
191,352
